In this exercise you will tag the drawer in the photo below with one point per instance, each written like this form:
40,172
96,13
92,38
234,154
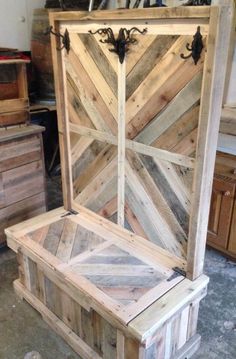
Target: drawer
16,153
20,183
225,165
21,211
14,118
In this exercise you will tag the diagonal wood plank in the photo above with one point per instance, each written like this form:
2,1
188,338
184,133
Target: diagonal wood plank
147,61
180,104
84,241
98,56
158,199
162,234
162,181
176,133
90,67
76,109
97,185
53,237
134,222
93,105
94,168
67,240
163,70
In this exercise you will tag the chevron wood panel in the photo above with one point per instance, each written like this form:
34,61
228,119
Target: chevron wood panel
162,110
127,278
66,239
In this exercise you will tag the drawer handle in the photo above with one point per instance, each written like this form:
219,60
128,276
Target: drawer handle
226,193
234,171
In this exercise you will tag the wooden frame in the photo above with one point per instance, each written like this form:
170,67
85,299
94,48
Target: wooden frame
16,111
82,272
209,117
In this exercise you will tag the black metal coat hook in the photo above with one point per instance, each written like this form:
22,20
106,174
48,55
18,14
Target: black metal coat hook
122,41
196,47
65,39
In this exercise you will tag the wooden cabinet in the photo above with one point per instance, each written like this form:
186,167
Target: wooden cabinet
22,180
14,110
222,219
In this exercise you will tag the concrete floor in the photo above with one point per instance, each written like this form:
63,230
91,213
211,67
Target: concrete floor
22,330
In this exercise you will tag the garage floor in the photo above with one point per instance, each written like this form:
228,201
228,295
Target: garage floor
22,330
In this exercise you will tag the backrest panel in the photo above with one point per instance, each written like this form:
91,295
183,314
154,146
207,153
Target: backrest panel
136,119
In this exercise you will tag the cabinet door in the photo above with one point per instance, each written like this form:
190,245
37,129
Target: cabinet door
232,237
221,212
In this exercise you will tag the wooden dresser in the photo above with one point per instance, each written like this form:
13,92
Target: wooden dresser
22,177
222,220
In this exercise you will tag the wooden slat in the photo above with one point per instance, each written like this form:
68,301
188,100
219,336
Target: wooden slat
16,153
21,182
101,61
121,144
135,146
210,110
90,67
147,323
14,105
91,98
144,64
172,13
14,118
57,325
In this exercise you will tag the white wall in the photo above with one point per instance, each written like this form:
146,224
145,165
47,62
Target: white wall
15,22
231,91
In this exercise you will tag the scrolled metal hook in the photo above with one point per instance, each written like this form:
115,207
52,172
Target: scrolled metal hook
120,43
65,39
195,48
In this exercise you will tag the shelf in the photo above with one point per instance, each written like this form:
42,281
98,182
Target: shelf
14,61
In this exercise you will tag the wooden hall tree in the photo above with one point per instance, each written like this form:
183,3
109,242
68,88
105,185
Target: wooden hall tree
138,134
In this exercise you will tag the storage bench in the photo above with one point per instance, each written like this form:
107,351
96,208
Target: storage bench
108,292
138,118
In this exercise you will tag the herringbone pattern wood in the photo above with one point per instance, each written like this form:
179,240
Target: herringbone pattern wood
162,108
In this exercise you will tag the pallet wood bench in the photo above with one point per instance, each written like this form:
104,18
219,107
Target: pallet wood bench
93,282
138,135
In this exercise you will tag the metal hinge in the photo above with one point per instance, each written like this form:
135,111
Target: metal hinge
69,213
177,272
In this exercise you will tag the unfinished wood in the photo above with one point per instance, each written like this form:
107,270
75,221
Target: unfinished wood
121,144
228,121
57,325
210,109
144,325
13,105
20,211
225,165
63,138
15,111
232,237
14,118
191,347
15,153
147,105
109,286
222,202
14,61
136,146
177,13
21,182
22,178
